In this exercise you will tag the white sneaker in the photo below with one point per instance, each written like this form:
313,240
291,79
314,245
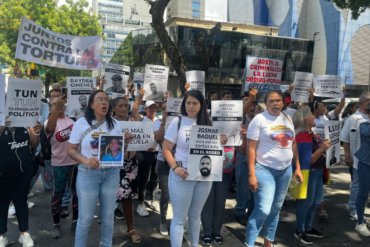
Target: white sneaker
154,206
26,240
11,210
141,210
3,241
30,204
354,215
30,195
362,229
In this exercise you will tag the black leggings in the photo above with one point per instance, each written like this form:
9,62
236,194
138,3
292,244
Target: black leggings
147,174
15,190
163,170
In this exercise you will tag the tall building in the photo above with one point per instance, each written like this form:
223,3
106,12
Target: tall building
342,45
186,9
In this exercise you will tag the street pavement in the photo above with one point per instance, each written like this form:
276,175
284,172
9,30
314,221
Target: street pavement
338,229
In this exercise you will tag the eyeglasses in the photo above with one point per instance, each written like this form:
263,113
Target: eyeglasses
53,104
101,100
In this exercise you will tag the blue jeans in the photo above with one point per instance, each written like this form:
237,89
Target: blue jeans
355,187
188,199
244,196
268,199
91,185
306,208
364,182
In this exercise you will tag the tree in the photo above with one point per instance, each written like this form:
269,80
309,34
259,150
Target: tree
357,7
71,19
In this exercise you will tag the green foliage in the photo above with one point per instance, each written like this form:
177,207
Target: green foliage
71,19
356,6
124,55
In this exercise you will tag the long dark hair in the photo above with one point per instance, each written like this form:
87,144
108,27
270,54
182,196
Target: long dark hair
203,117
272,92
90,115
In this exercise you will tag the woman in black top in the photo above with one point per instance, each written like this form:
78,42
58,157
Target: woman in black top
16,171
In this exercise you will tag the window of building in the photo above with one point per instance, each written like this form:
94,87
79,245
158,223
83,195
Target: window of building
195,14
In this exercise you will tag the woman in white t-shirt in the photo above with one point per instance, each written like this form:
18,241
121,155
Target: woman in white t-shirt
94,181
271,149
187,197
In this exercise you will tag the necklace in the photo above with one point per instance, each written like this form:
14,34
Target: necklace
12,129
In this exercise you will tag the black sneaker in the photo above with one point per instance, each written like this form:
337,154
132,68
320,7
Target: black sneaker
314,233
64,213
301,236
207,240
118,214
56,232
74,226
217,238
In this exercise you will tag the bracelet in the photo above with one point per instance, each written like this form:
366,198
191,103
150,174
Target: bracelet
35,133
175,168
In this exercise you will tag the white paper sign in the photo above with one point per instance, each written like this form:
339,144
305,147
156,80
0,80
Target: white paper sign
39,45
206,154
302,87
155,82
284,88
79,89
138,82
229,115
196,79
328,86
2,100
111,150
23,102
143,132
173,110
117,77
320,132
332,132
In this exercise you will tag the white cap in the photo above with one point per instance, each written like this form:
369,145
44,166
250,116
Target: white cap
149,103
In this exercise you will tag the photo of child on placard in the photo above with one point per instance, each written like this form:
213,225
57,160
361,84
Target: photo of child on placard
111,150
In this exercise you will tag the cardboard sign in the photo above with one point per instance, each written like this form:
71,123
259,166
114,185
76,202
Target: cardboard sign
138,82
262,73
206,154
228,114
155,82
302,87
196,79
173,110
79,89
2,100
332,132
143,132
39,45
111,150
23,102
328,86
117,77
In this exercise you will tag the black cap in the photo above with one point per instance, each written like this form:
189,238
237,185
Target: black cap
116,77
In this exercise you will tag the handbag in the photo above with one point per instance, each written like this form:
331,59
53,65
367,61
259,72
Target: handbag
72,174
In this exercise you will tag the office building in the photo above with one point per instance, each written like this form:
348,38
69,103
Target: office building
192,9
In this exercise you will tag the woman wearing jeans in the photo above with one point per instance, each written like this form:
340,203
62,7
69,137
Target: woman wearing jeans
271,148
187,197
93,181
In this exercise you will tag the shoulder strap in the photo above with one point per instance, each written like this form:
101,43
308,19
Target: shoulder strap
95,126
287,117
178,123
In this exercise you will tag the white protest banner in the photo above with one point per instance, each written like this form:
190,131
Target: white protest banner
2,100
262,73
196,79
328,86
143,135
229,115
79,89
206,154
117,77
173,110
284,88
319,131
302,87
138,82
332,132
155,82
23,102
39,45
111,150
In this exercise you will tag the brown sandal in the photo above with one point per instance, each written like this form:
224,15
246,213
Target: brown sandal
134,236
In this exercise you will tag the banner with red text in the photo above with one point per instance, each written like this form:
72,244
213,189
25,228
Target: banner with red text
38,45
262,73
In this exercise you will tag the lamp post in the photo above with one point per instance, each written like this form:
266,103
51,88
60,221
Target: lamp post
315,34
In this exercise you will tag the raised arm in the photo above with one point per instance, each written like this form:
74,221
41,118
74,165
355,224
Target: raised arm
52,123
341,104
135,107
251,97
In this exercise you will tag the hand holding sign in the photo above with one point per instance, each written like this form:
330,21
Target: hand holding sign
187,85
223,139
291,87
142,92
325,145
37,128
181,172
252,93
16,71
93,162
243,131
128,137
167,95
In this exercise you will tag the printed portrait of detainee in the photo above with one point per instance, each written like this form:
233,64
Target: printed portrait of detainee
283,139
113,151
205,168
156,95
80,112
333,159
117,85
139,86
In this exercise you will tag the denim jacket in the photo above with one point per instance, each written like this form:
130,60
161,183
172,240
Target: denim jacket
363,153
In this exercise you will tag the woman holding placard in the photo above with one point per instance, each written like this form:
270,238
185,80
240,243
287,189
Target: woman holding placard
187,197
94,181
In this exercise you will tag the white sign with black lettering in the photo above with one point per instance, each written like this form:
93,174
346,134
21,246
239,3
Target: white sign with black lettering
138,82
117,77
155,82
206,154
23,102
79,89
320,132
2,100
196,80
229,115
302,87
332,132
111,150
173,110
143,135
328,86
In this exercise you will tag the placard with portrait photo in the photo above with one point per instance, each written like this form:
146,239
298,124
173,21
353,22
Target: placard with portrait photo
79,89
111,150
155,82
